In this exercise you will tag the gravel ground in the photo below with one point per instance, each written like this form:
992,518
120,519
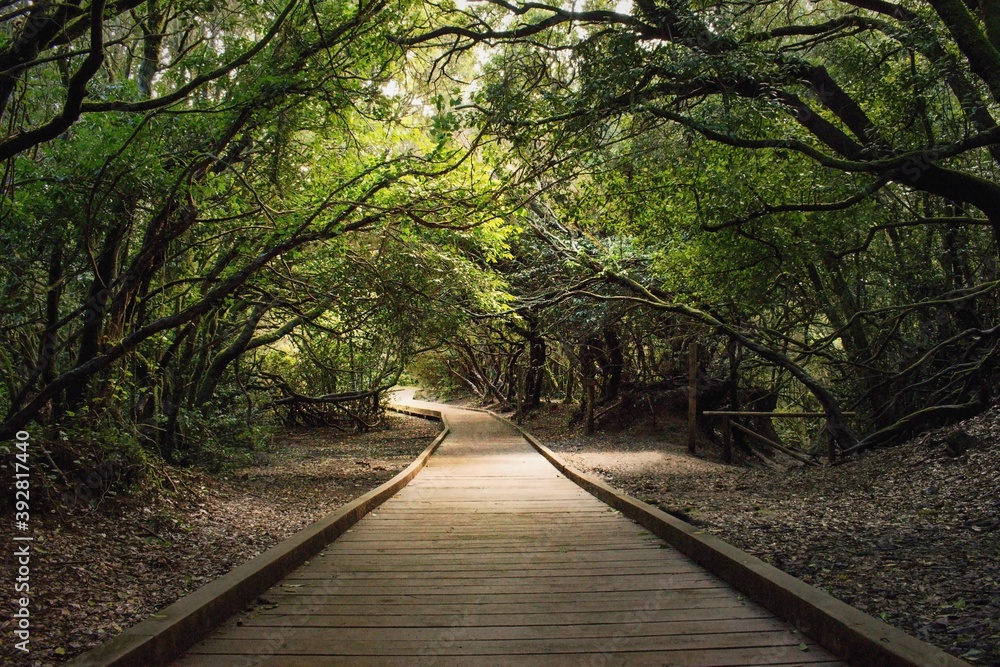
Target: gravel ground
907,534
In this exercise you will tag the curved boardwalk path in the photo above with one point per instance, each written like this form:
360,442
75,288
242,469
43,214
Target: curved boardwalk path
491,557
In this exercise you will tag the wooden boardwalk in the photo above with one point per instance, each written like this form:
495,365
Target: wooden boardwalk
491,557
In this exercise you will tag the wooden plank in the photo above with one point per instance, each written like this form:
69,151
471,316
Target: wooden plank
612,657
502,506
357,550
781,448
500,585
843,629
562,557
510,578
515,532
469,559
493,594
611,537
635,628
306,641
494,543
501,487
505,514
397,597
482,566
693,599
502,531
526,551
491,557
163,636
587,543
555,538
500,520
320,571
403,617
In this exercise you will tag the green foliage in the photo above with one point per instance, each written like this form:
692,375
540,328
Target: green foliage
185,256
283,207
743,161
221,437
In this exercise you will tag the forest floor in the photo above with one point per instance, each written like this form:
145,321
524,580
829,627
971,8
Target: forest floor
98,571
908,534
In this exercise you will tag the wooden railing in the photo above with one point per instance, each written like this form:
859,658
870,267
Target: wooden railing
728,424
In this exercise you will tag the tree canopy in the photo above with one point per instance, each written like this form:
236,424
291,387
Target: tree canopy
816,181
223,215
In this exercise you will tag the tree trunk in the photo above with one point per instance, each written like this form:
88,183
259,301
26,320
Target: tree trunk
736,436
536,365
588,374
836,422
213,375
95,308
152,40
570,385
613,366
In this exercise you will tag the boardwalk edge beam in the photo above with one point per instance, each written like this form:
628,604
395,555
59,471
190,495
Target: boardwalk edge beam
848,633
168,633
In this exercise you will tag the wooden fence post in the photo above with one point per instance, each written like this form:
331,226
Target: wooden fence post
727,441
692,395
